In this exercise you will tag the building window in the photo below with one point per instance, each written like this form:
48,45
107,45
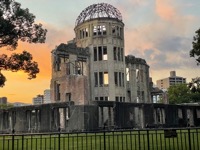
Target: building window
57,91
122,54
113,30
120,79
100,53
123,79
104,29
106,98
101,98
68,97
100,78
58,64
95,79
95,53
137,75
96,98
118,53
94,30
105,56
117,99
127,74
105,78
99,30
115,53
116,78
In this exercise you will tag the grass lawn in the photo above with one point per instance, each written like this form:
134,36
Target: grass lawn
118,140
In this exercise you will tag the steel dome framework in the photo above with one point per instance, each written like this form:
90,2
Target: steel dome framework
101,10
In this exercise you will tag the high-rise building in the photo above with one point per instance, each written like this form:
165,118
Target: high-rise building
3,100
47,96
171,80
38,100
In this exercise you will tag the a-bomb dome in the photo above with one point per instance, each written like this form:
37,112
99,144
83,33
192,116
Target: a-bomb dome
101,10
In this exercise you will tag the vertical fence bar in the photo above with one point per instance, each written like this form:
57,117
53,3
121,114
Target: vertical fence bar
189,139
13,141
22,142
58,138
139,139
148,146
104,137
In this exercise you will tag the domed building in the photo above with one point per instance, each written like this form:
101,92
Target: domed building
92,70
93,67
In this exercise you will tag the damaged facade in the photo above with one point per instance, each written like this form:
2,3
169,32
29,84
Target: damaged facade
94,85
93,66
68,117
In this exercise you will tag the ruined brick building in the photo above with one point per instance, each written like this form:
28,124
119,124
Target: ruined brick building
94,85
93,66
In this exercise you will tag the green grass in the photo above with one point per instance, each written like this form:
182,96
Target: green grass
127,140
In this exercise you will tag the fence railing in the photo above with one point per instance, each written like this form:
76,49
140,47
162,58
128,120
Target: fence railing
148,139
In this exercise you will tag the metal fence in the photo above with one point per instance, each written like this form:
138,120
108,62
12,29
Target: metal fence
148,139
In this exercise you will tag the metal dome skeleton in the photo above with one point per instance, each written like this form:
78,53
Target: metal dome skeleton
101,10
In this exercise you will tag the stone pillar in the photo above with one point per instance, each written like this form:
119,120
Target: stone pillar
191,120
142,122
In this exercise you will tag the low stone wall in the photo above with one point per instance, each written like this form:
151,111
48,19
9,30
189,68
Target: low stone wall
68,117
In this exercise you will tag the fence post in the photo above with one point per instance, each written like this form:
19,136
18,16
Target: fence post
23,142
148,139
59,138
189,139
104,136
13,139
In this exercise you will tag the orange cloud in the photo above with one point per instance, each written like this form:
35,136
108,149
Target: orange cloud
18,87
165,9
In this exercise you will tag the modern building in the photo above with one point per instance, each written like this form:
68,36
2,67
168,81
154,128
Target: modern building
3,100
171,80
93,66
47,96
38,100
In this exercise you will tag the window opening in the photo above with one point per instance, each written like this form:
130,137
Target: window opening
106,82
104,29
117,99
115,53
94,30
95,53
100,78
68,97
105,56
86,32
100,53
119,54
116,78
122,56
101,98
120,79
96,79
127,74
113,30
123,79
137,75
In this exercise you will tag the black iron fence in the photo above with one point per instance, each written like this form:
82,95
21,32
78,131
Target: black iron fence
148,139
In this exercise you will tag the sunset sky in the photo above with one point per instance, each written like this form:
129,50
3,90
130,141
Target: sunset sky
160,31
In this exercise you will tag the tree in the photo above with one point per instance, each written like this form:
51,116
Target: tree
18,24
195,52
5,106
179,94
194,85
